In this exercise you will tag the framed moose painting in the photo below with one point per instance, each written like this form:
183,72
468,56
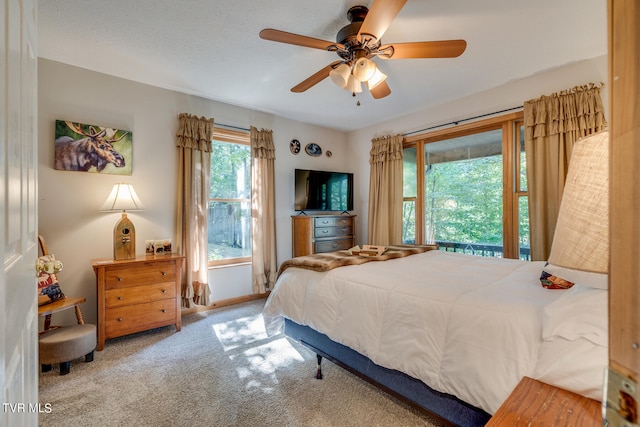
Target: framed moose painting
90,148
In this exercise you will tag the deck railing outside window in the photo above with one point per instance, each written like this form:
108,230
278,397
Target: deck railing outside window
480,249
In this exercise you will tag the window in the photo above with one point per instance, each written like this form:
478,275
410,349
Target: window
465,189
229,230
522,196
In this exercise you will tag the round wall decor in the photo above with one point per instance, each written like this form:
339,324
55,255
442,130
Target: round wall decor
313,149
294,146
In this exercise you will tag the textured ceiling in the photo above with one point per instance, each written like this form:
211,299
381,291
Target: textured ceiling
211,48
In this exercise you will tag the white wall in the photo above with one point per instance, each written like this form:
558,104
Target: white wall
69,202
512,94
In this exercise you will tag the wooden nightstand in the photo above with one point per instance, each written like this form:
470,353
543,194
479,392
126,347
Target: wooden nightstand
534,403
137,294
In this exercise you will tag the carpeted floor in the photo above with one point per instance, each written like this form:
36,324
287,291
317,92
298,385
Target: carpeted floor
220,370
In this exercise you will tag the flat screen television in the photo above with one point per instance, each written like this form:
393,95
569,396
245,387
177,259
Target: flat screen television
323,191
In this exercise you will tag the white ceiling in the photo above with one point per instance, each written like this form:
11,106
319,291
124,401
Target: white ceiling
211,48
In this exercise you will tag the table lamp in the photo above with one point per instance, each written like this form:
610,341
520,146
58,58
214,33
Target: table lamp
581,239
123,198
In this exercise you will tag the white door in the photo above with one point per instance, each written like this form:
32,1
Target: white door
18,215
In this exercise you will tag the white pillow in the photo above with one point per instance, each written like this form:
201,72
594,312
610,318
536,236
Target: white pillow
585,278
581,312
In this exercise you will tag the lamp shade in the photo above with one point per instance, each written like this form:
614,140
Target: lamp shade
122,198
340,75
377,78
353,85
581,239
364,69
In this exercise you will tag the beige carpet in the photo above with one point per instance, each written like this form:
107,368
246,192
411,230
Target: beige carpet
220,370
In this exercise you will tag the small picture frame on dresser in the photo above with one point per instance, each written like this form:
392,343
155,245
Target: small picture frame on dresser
163,247
150,247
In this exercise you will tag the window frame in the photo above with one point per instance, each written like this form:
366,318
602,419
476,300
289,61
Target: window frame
511,191
233,137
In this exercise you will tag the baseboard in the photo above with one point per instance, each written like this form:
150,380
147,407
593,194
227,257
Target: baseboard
224,303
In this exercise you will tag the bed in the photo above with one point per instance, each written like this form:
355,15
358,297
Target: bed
450,333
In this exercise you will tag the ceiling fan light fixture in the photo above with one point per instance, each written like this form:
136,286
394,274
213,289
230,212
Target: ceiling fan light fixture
340,75
364,69
377,78
353,85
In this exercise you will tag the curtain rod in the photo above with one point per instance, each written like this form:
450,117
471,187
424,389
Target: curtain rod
230,126
457,122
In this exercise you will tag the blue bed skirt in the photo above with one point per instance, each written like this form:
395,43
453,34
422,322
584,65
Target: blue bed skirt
444,407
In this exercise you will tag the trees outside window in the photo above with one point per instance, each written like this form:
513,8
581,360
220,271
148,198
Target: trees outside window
465,189
229,231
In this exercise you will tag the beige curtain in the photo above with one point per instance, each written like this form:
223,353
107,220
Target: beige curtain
263,211
552,125
194,169
385,191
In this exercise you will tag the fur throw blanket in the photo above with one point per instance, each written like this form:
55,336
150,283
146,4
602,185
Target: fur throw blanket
330,260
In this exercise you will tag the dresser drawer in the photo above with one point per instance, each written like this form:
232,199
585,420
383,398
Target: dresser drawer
140,275
139,294
333,245
333,222
321,232
134,318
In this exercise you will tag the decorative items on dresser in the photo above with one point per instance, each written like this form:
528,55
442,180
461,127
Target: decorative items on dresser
137,294
312,234
123,198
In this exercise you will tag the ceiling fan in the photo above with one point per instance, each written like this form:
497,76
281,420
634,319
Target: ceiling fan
360,41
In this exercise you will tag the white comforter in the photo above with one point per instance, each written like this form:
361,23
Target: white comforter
465,325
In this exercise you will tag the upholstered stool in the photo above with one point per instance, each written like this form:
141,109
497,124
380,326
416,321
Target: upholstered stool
66,343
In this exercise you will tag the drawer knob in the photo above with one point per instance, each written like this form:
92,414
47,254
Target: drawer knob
325,231
119,298
119,319
164,310
335,245
120,279
163,273
164,291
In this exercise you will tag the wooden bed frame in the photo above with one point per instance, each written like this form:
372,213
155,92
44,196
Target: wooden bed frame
443,407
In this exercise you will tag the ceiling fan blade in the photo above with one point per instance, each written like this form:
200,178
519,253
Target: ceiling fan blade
379,17
315,79
433,49
380,91
296,39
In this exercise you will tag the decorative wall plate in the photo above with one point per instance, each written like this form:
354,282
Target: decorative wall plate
294,146
313,150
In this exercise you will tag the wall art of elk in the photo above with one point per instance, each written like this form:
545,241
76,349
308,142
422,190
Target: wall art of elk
91,148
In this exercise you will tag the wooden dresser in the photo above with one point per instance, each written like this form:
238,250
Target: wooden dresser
137,294
313,234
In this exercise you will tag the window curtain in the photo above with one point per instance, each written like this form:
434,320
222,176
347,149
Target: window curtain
552,125
263,217
385,191
194,168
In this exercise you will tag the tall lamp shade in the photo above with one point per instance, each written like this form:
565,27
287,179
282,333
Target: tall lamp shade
581,239
123,198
